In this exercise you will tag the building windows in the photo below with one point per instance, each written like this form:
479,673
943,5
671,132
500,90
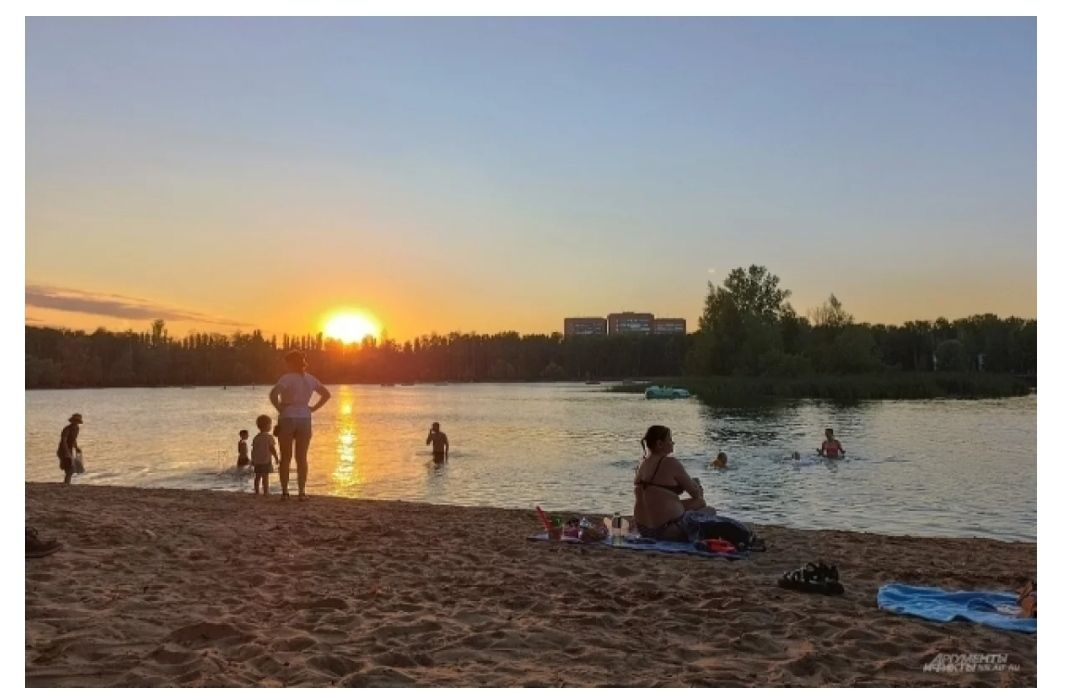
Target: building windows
577,327
623,323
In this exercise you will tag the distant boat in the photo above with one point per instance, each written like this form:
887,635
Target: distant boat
657,392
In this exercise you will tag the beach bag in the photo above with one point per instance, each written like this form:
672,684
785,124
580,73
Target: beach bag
77,464
725,528
594,531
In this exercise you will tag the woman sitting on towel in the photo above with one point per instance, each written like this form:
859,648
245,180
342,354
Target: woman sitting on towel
660,479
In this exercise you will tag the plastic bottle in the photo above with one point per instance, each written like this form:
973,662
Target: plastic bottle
616,529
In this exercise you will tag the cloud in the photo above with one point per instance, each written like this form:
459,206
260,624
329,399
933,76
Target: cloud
115,306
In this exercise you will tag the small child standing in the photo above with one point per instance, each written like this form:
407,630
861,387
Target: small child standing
242,459
262,451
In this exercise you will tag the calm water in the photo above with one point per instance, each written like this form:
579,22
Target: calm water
934,468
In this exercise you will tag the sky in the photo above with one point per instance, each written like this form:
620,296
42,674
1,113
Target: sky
484,175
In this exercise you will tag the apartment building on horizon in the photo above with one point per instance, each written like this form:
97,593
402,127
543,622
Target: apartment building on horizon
630,323
627,322
577,327
669,326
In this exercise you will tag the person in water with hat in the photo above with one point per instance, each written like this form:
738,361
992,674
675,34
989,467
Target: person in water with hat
69,446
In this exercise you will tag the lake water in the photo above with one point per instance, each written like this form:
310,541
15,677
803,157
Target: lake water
932,468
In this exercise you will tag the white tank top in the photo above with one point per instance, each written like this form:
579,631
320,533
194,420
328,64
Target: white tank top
296,390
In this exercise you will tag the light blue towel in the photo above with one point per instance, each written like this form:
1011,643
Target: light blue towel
994,609
636,544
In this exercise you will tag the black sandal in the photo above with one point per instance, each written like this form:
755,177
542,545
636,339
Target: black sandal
37,548
813,578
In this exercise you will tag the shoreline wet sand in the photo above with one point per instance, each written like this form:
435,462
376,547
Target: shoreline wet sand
200,588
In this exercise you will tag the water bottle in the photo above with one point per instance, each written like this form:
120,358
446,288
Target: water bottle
616,529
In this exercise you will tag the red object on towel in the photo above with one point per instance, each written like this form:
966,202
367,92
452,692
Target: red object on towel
719,546
544,520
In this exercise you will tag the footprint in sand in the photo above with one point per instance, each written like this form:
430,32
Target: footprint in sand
296,644
205,631
167,656
392,630
377,678
472,618
330,636
396,659
332,664
327,603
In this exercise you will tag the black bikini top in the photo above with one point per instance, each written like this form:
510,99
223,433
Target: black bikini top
675,488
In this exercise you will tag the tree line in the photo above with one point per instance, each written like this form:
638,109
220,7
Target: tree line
747,328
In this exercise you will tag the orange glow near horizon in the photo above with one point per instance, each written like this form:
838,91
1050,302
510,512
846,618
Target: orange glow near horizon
350,326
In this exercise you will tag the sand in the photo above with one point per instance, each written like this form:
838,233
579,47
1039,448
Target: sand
195,588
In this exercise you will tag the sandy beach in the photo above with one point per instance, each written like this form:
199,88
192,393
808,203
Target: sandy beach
197,588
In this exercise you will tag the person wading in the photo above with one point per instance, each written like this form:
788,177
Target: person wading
69,446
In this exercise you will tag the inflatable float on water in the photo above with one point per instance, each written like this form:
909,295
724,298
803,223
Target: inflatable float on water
658,392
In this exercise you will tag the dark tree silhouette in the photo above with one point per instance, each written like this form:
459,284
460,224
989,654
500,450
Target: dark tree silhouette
747,328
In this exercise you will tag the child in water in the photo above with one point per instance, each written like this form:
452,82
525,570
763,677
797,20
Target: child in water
262,451
831,447
721,461
242,459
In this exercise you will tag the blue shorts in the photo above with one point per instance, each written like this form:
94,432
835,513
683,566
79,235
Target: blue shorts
680,528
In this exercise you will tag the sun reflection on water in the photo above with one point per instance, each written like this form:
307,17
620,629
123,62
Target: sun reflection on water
346,473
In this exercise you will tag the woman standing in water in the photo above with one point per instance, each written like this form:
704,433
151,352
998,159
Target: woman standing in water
291,397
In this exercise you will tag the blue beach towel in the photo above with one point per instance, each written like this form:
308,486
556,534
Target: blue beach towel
994,609
656,546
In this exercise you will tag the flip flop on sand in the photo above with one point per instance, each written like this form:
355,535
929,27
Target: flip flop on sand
814,578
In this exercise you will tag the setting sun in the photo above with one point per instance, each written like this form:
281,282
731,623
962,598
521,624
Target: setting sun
350,327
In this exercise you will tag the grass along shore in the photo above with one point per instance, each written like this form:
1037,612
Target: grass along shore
735,390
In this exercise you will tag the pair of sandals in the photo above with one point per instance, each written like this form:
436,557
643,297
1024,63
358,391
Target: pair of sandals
813,578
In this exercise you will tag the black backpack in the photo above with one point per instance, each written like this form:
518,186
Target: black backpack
729,530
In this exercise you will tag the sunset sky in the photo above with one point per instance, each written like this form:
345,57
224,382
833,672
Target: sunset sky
502,174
